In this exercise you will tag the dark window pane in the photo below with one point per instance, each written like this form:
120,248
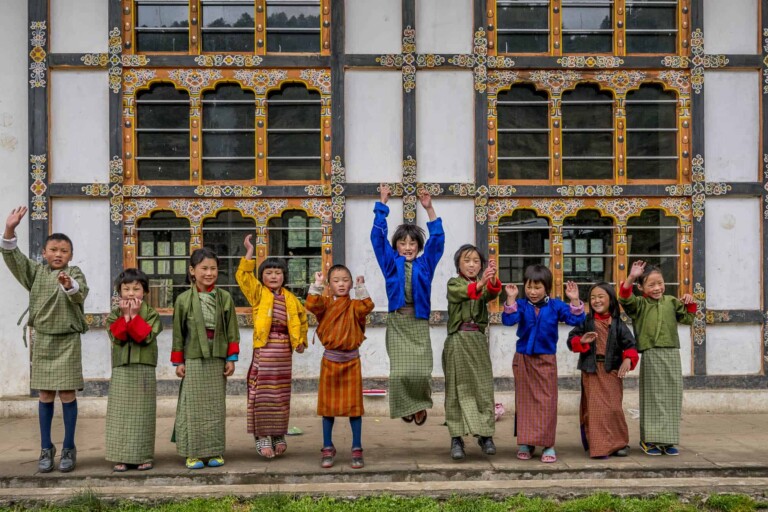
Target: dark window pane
158,42
587,144
220,16
523,241
522,16
306,42
220,28
292,116
286,16
308,169
175,170
166,16
162,253
655,43
153,115
296,237
651,115
523,144
294,144
523,169
587,43
288,109
524,113
651,144
221,170
588,169
221,116
649,238
225,235
229,144
651,169
171,17
587,250
653,18
587,116
586,18
228,42
163,144
303,28
523,43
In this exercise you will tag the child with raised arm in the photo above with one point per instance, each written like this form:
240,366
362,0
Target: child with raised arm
607,352
205,348
133,327
56,296
469,405
654,319
535,361
408,278
341,329
279,328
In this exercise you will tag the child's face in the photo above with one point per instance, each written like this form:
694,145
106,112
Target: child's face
340,283
599,301
470,264
205,273
58,253
653,286
132,290
535,290
408,248
273,278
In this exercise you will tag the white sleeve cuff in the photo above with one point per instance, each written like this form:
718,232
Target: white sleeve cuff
316,290
75,287
361,292
8,245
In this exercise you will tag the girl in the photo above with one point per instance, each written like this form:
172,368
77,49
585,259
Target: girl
133,328
607,353
408,279
469,405
535,363
279,327
654,320
341,329
205,347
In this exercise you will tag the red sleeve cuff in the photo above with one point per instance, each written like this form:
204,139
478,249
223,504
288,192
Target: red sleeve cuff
576,345
177,357
632,355
233,348
691,308
139,329
624,292
494,286
119,329
472,291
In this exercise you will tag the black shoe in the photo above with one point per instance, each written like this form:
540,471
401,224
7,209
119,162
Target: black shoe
68,459
45,462
486,444
457,448
621,452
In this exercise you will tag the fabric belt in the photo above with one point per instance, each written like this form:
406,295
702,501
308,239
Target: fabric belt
469,326
341,356
407,309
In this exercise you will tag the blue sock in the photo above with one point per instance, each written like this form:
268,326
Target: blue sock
45,414
328,431
357,431
70,421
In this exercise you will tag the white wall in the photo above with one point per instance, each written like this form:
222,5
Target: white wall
79,26
734,349
373,26
444,26
731,26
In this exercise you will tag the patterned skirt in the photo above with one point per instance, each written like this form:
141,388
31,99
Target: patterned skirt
340,391
410,364
469,405
601,412
131,413
57,362
535,398
201,413
661,395
269,389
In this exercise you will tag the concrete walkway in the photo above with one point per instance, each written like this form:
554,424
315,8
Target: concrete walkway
718,453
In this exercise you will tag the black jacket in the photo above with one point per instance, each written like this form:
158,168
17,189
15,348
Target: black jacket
620,338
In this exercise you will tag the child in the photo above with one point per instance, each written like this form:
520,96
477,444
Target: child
133,329
654,320
56,296
279,327
341,329
205,347
535,363
607,353
469,405
408,279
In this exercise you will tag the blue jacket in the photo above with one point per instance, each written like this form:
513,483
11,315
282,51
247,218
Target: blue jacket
393,265
538,334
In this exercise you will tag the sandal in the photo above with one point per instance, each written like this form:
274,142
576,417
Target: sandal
279,446
423,419
548,455
525,452
408,419
145,467
264,447
120,468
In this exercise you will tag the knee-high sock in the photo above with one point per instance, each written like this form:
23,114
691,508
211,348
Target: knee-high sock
356,423
328,431
70,422
45,414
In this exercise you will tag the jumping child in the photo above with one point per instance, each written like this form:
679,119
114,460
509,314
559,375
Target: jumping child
535,361
607,352
341,329
56,296
469,404
279,327
654,319
133,327
408,278
205,348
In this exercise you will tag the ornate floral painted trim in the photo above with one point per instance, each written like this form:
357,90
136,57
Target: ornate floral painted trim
227,191
95,59
590,61
38,66
39,187
338,179
589,190
239,61
701,61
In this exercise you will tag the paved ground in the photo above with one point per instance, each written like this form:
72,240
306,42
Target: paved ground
718,453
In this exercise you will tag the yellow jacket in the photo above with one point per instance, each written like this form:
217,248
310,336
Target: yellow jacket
261,299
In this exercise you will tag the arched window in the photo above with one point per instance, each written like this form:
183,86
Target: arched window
523,133
651,133
163,254
162,133
588,250
225,234
227,26
523,241
297,238
294,134
523,27
293,26
587,26
587,133
651,26
229,133
652,237
162,26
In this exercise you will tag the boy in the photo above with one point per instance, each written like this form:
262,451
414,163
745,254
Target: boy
56,295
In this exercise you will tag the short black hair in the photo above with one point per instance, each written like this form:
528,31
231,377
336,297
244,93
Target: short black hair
59,237
465,249
539,274
338,268
132,275
273,263
409,230
197,256
613,302
647,271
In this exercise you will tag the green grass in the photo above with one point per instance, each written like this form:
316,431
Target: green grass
89,501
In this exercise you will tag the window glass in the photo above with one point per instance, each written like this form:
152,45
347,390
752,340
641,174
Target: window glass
523,133
294,133
587,26
297,238
293,26
587,133
163,254
228,133
523,26
652,237
523,241
651,133
162,133
162,25
228,25
225,235
587,250
651,26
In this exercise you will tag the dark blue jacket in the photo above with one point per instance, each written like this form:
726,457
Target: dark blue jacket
393,265
538,334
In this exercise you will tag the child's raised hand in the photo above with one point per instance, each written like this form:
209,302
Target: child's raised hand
229,368
181,371
425,199
624,368
319,279
65,280
300,349
637,269
13,220
134,307
687,299
125,308
386,193
512,292
360,280
588,337
488,274
572,290
247,243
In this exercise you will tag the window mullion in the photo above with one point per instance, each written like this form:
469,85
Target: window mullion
619,15
194,27
195,124
555,126
556,29
556,253
261,136
260,21
620,136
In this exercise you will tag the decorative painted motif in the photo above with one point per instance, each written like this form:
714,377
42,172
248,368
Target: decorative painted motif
676,79
699,327
433,189
240,61
590,190
622,208
115,60
622,81
678,206
95,59
590,61
701,61
499,190
499,207
320,78
195,80
227,191
675,61
318,207
409,59
765,61
195,209
555,81
318,190
116,198
135,78
39,187
96,189
409,189
557,209
38,67
765,185
135,208
261,209
717,317
429,60
338,179
479,61
135,60
498,79
463,189
261,80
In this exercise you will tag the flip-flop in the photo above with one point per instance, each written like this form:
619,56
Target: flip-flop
548,456
145,467
120,468
421,421
525,452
